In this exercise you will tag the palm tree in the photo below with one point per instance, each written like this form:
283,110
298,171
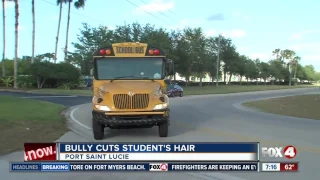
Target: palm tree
15,74
59,2
4,38
296,62
288,55
78,4
276,53
33,31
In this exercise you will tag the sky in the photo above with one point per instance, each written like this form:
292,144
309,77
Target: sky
256,28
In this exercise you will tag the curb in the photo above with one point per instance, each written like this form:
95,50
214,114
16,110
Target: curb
72,124
31,92
244,108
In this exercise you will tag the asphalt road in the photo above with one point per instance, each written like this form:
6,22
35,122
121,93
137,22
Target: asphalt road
217,118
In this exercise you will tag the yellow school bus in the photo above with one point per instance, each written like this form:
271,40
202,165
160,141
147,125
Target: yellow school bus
129,89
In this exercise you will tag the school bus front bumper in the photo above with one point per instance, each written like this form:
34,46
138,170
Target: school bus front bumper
132,118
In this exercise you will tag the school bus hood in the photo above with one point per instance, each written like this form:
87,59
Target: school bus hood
123,87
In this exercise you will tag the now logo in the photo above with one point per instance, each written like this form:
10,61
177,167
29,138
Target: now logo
279,152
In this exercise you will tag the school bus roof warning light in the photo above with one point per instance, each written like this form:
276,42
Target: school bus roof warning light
105,52
154,52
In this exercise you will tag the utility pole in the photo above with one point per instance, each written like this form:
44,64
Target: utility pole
218,63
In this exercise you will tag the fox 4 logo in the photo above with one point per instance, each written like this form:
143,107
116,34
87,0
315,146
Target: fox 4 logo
158,167
279,152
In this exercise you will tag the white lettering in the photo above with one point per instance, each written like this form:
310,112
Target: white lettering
39,153
100,167
73,156
184,148
76,167
118,156
272,151
78,147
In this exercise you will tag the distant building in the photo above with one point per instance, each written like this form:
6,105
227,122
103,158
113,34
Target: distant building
207,78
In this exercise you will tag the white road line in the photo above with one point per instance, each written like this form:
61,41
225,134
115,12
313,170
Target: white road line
76,121
239,105
203,176
32,97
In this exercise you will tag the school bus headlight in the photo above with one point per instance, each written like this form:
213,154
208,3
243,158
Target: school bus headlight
160,106
102,108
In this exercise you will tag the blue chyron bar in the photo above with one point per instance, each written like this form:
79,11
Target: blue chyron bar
155,151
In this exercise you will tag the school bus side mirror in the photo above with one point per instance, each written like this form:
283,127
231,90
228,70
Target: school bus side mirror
91,72
170,68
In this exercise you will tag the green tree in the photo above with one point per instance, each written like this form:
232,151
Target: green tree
177,53
42,71
301,73
45,57
228,56
89,40
241,64
61,74
194,42
252,71
123,33
310,73
213,49
317,78
275,69
256,73
193,53
265,71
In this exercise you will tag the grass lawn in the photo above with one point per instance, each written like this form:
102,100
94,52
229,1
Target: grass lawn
26,120
223,89
305,106
226,89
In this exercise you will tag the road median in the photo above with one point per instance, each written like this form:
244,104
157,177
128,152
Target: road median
302,106
223,89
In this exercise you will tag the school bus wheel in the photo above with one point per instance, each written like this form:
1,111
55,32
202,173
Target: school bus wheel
163,129
98,130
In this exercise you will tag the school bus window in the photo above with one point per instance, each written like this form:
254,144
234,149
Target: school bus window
130,68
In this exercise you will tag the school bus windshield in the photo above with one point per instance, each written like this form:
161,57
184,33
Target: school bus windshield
130,68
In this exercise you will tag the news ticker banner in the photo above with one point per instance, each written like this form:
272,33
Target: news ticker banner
125,152
147,167
85,167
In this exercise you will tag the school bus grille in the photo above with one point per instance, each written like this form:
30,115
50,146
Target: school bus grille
137,101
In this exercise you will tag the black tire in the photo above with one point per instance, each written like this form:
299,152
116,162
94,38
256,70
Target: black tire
181,94
98,130
164,129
